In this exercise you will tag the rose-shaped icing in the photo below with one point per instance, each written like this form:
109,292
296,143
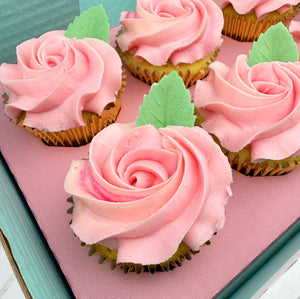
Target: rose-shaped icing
144,190
183,31
56,78
260,7
257,106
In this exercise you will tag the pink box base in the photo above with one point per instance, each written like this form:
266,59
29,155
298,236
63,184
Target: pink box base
260,210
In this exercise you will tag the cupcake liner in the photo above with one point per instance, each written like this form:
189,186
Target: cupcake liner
150,74
241,162
247,28
81,135
199,119
184,252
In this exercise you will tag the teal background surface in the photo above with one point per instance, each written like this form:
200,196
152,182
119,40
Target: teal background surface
38,268
21,20
113,8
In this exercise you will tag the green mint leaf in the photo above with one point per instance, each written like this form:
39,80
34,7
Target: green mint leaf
168,104
91,23
276,44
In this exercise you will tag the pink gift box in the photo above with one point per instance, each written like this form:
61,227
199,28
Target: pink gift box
260,210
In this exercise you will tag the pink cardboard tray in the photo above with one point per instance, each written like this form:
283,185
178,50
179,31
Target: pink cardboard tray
260,210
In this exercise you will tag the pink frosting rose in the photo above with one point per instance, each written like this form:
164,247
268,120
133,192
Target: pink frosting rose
260,7
56,78
146,190
257,106
183,31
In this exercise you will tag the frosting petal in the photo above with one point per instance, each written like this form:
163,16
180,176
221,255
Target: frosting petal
294,29
260,7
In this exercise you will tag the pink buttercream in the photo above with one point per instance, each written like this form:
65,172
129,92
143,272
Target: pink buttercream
56,78
146,190
257,106
183,31
260,7
294,29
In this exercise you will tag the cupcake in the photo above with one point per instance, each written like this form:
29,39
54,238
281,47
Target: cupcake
253,107
149,197
65,89
163,36
246,20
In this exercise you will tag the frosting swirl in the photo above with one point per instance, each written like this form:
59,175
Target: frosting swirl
145,190
260,7
183,31
257,106
56,78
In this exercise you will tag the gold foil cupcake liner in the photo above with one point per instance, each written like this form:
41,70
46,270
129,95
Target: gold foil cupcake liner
199,119
81,135
247,28
150,74
184,252
241,162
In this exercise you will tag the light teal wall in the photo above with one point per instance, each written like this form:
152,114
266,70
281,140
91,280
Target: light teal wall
37,267
113,8
21,20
